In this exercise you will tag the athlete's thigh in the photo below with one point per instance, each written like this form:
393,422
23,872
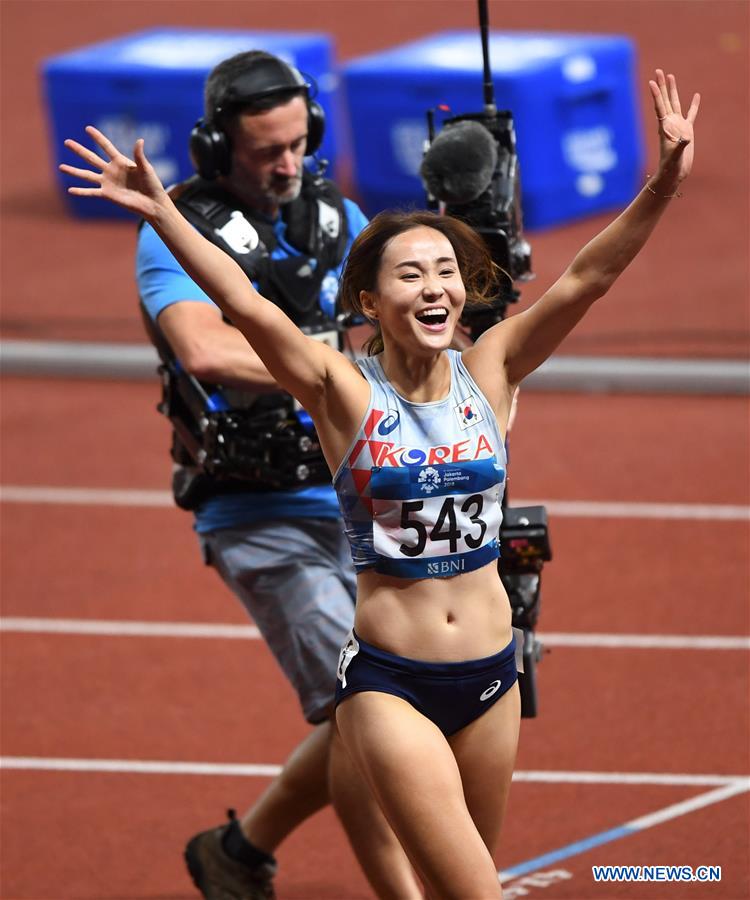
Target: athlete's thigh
413,773
485,751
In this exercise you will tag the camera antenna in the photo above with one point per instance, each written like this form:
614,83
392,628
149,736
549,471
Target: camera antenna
489,90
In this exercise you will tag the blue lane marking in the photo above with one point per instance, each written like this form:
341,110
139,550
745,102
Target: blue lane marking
554,856
737,786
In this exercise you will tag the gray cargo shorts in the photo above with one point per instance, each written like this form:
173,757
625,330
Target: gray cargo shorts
296,580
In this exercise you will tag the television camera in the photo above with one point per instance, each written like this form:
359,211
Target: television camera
471,171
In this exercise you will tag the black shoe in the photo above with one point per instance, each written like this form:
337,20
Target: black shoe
219,877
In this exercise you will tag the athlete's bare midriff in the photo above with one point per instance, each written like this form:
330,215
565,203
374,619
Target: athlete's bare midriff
435,619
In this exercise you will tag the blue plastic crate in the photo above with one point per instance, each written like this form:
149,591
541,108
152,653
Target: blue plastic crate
573,97
150,85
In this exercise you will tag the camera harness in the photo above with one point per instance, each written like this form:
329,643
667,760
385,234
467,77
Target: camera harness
316,226
226,441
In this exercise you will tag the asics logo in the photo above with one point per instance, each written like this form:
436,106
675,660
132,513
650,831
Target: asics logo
492,689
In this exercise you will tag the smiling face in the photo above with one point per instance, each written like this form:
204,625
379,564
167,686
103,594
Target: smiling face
420,293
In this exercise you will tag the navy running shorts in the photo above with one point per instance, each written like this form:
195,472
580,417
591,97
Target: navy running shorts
450,694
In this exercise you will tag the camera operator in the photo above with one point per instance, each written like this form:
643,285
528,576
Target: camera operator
281,551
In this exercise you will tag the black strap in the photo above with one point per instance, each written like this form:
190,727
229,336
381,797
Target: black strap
316,226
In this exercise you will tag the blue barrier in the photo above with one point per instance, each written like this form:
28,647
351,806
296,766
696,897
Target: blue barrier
573,97
150,85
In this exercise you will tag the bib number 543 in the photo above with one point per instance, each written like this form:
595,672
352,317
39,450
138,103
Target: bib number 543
446,527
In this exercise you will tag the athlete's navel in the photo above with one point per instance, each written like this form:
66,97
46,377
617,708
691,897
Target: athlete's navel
450,618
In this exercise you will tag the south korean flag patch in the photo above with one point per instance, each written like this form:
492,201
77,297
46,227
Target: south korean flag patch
468,413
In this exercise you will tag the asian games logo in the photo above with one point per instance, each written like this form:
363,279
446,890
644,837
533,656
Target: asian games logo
429,479
468,413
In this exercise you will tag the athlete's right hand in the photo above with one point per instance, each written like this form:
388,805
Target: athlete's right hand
133,185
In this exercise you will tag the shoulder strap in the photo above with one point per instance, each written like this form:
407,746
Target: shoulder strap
317,223
246,237
316,226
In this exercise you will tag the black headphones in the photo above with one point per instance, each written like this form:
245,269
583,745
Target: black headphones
210,149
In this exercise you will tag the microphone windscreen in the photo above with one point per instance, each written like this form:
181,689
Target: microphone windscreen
459,163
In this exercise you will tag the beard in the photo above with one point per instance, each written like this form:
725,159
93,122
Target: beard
265,194
286,192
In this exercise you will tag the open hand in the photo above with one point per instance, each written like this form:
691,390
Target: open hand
676,137
133,185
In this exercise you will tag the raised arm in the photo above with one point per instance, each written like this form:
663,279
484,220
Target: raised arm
298,363
523,342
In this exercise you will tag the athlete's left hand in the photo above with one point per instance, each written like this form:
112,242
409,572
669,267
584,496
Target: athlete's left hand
676,135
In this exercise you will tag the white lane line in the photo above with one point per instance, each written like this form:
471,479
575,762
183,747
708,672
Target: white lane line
577,509
585,509
116,628
647,641
138,767
168,767
85,496
664,779
687,806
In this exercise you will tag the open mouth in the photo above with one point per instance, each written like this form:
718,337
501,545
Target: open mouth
433,318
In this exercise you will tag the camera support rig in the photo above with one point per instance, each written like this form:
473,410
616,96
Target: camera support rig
489,200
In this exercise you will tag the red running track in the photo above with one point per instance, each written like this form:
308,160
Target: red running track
95,836
610,710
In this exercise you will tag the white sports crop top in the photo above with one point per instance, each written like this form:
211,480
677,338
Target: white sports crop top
421,486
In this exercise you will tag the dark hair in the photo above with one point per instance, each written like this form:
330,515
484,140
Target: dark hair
475,264
226,73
